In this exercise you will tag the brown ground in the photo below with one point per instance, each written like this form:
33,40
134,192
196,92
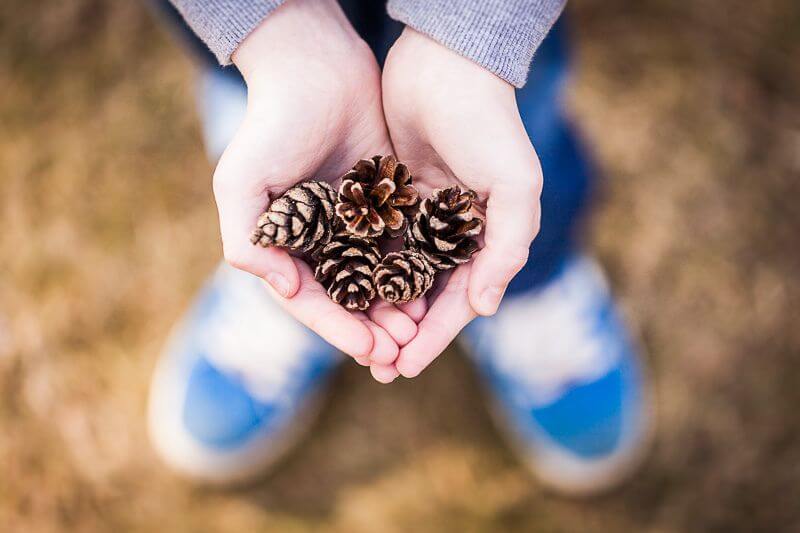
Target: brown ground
108,227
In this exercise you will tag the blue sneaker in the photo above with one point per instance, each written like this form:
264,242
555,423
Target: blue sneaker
238,383
567,385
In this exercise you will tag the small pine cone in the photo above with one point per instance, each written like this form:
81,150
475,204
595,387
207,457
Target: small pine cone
445,228
377,196
302,219
345,268
403,276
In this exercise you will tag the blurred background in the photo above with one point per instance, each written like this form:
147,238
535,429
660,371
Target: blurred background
107,227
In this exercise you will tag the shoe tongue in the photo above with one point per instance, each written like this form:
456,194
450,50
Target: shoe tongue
249,336
562,335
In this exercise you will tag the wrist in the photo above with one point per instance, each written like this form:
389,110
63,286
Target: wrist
311,29
437,55
437,68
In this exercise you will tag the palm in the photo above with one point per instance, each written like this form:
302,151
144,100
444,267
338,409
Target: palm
317,125
313,110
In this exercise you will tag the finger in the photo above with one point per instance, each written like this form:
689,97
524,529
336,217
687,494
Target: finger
512,222
415,310
363,361
396,323
384,373
447,315
241,197
273,265
332,322
384,348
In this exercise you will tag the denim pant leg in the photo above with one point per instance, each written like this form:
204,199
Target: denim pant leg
568,175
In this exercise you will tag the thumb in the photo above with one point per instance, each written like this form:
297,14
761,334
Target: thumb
512,222
242,195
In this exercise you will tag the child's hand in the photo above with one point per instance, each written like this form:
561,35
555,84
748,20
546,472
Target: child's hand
314,108
454,122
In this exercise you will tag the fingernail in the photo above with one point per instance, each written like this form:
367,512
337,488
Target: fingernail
279,283
490,300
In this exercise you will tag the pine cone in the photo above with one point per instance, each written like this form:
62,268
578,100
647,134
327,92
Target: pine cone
403,276
345,269
445,228
302,219
377,195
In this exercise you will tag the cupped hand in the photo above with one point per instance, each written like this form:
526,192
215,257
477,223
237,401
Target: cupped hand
455,123
313,109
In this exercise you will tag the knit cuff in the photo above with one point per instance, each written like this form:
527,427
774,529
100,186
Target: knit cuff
224,24
499,35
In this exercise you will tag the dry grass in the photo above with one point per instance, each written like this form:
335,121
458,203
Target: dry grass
108,228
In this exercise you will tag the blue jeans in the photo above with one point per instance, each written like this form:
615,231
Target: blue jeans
568,172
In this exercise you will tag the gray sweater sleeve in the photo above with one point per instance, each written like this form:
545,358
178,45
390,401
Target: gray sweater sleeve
499,35
224,24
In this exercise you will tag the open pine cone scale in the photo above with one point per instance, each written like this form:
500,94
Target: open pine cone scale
403,276
445,228
344,268
376,196
302,219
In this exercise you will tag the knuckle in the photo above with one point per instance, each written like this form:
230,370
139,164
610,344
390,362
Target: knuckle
516,257
536,186
235,257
